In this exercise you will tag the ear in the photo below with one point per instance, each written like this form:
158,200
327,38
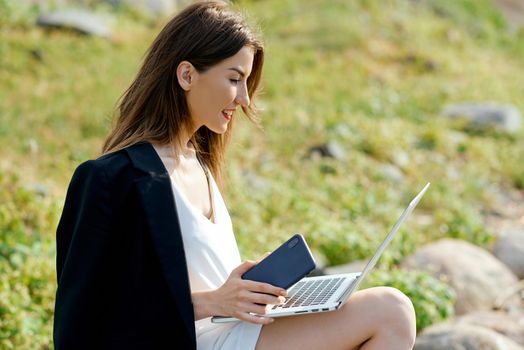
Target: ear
186,74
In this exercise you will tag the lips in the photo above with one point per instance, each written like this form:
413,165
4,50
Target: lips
227,114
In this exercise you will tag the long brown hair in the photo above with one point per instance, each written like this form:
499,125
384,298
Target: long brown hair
154,107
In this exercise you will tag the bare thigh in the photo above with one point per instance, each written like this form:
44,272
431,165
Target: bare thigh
347,328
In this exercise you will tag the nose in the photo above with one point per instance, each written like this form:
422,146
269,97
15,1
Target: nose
243,96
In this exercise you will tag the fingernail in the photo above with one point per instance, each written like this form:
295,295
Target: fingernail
283,293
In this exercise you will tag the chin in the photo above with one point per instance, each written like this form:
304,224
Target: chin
219,130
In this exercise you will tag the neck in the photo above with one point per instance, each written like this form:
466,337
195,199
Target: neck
184,141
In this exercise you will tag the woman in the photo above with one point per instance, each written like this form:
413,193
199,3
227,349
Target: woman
145,248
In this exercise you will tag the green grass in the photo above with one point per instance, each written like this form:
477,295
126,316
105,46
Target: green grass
374,78
370,75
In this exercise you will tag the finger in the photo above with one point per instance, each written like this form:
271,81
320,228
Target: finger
265,288
248,308
243,268
259,299
254,318
266,299
254,309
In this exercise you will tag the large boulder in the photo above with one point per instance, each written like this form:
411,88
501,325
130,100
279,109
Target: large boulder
152,8
509,248
463,337
510,325
354,266
478,278
83,21
503,118
513,11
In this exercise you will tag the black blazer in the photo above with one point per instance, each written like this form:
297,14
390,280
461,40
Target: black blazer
121,268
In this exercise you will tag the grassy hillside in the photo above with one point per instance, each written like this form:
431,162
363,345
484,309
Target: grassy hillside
374,76
370,75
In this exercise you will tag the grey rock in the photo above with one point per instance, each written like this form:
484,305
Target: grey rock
82,21
153,8
320,262
344,130
392,172
456,137
513,11
453,173
256,182
478,278
504,118
354,266
317,271
507,210
510,325
509,248
34,147
332,149
400,159
39,189
463,337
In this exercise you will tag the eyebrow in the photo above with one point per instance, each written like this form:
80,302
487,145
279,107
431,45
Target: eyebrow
239,71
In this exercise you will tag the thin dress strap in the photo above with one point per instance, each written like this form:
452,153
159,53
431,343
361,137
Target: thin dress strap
210,194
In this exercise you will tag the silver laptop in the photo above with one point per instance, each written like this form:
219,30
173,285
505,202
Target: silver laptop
329,293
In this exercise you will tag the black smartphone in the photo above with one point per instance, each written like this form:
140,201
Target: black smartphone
285,266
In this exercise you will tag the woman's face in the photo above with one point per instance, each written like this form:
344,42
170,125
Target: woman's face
214,95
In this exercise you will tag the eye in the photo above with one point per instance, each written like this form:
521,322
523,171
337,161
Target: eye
234,81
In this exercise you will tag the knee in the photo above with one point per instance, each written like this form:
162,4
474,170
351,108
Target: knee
398,313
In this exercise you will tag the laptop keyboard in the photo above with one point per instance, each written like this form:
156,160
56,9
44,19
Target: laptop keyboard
313,292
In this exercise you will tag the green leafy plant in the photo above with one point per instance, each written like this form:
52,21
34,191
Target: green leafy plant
433,299
27,272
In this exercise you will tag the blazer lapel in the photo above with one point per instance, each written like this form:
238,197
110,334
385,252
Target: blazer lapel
159,206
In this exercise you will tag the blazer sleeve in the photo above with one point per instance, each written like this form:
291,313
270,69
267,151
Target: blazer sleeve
83,248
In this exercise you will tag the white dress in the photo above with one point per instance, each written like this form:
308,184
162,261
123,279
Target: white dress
211,254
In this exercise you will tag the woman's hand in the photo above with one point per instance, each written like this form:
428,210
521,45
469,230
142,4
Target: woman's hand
239,298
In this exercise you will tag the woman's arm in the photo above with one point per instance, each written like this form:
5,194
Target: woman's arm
83,250
238,298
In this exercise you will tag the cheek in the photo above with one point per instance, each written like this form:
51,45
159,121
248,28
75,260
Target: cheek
219,92
221,97
231,93
212,95
224,89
